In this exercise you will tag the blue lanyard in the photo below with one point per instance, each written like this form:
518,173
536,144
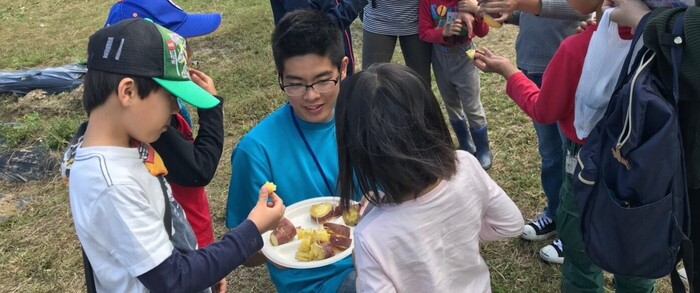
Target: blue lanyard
311,152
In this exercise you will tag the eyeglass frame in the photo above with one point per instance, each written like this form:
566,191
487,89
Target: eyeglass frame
307,86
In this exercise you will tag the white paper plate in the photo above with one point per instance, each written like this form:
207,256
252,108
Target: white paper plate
299,215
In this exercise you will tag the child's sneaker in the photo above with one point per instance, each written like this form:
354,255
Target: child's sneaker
553,253
539,229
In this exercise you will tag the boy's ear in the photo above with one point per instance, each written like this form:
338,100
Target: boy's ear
126,91
344,67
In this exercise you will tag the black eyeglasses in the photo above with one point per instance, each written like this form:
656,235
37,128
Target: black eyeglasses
320,86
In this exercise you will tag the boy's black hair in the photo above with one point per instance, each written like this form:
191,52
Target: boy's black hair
303,32
392,136
98,85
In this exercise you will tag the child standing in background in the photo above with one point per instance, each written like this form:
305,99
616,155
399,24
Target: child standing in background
422,229
554,102
457,79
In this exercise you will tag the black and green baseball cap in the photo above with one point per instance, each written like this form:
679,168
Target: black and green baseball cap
139,47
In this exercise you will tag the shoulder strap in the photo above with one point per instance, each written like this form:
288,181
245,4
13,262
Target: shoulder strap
89,274
675,41
167,216
624,73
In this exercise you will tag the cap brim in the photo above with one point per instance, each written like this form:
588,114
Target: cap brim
189,92
199,24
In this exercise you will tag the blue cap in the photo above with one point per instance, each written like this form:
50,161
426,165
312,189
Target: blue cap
167,14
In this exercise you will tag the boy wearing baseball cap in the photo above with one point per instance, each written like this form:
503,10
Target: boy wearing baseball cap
191,161
130,228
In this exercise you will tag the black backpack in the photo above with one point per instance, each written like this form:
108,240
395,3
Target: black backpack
631,183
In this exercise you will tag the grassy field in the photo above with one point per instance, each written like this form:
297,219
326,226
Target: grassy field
39,251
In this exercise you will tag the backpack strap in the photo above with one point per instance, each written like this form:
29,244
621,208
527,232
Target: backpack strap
624,73
168,216
675,40
89,274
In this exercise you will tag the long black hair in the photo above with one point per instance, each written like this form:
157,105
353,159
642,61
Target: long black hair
392,136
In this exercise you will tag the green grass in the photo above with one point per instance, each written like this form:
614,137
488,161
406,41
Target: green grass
39,251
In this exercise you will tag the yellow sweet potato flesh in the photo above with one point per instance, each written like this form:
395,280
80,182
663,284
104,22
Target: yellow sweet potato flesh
322,212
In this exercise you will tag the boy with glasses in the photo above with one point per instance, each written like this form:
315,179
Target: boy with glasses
295,146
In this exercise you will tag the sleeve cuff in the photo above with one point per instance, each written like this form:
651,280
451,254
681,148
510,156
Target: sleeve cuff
248,235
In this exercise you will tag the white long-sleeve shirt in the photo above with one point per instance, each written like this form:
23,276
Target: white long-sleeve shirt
431,244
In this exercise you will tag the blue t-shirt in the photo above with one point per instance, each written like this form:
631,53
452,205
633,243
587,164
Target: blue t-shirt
274,151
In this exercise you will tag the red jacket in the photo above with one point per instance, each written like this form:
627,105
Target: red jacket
432,15
554,102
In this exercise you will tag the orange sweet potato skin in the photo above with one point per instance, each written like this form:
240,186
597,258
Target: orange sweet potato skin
284,232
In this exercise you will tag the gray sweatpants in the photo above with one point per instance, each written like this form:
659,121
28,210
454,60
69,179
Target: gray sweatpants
458,82
378,48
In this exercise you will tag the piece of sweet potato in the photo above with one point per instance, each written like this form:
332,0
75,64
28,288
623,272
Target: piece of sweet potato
322,212
337,229
340,243
284,232
352,215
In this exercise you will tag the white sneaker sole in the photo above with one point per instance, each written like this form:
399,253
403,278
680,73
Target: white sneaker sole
550,255
530,234
684,276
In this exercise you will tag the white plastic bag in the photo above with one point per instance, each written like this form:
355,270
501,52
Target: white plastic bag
601,69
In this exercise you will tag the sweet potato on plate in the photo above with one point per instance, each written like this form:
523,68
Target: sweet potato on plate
323,212
340,243
284,232
352,215
337,229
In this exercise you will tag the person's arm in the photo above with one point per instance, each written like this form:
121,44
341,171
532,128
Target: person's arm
558,9
346,12
194,164
197,270
584,6
501,218
370,275
125,221
426,31
555,99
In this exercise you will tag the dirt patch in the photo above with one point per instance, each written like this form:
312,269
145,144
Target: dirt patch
46,105
9,204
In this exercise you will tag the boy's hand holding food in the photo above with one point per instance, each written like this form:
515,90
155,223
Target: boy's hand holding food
488,62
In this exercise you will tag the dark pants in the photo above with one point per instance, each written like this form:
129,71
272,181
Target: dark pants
549,145
378,48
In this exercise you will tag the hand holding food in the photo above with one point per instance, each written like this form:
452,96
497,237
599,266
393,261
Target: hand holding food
453,29
266,215
489,62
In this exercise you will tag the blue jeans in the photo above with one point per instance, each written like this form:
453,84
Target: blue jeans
550,145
